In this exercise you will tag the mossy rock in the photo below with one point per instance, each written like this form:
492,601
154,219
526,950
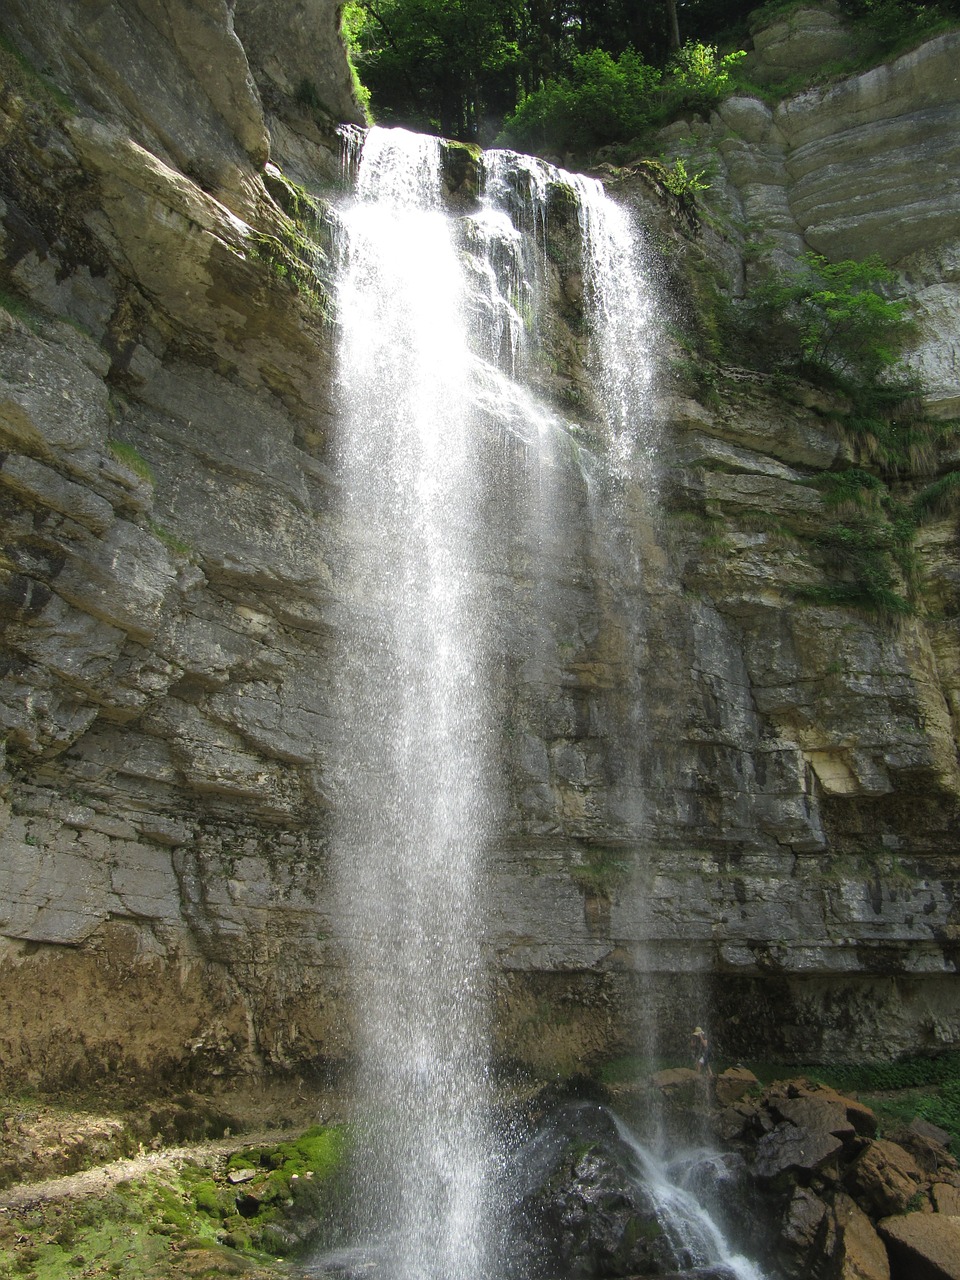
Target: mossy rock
461,169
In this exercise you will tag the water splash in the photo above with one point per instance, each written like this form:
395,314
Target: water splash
695,1234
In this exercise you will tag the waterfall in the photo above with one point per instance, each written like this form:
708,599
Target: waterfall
692,1230
463,486
412,783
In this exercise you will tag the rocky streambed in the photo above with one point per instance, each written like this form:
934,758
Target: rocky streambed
671,1176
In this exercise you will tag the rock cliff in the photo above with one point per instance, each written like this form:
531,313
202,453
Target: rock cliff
721,793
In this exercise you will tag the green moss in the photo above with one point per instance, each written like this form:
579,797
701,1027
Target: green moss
295,261
171,541
132,458
603,869
142,1225
296,202
21,310
206,1198
18,72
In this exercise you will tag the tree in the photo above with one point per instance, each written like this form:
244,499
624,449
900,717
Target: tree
441,64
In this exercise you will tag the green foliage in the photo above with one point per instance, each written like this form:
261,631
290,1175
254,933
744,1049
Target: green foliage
601,99
867,545
700,76
353,22
132,458
893,25
943,1110
461,67
901,1073
852,486
942,498
441,65
833,317
871,556
937,1077
152,1225
680,182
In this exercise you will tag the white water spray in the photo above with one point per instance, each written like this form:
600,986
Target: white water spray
694,1234
413,795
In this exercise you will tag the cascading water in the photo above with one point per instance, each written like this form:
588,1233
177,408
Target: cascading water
413,795
447,461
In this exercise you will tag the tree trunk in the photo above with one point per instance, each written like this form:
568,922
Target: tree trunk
674,25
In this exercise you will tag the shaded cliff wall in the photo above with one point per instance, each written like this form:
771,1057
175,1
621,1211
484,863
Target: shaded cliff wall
717,798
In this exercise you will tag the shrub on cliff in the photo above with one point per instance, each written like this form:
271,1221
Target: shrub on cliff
834,318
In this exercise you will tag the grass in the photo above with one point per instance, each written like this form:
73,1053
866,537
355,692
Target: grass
130,457
171,541
602,871
21,310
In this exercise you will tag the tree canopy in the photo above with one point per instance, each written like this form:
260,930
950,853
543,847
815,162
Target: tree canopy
565,72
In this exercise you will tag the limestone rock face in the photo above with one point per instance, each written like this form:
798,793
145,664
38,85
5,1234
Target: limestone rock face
719,791
866,165
173,73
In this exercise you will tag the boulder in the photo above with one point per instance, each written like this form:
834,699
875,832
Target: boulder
674,1078
588,1212
818,1115
859,1253
733,1083
923,1246
885,1178
788,1148
802,1231
946,1198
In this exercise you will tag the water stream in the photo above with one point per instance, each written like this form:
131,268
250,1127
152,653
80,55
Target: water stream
446,459
414,792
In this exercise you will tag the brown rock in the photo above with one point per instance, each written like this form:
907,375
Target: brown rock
946,1198
933,1132
928,1151
739,1119
801,1233
733,1083
820,1115
674,1078
885,1178
860,1254
859,1116
923,1246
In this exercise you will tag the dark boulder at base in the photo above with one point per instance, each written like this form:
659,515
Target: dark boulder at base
585,1212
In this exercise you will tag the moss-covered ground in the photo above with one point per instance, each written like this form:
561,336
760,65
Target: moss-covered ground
222,1207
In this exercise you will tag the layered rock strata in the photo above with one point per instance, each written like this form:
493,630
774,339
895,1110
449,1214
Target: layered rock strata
717,796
